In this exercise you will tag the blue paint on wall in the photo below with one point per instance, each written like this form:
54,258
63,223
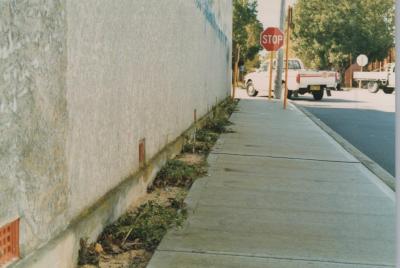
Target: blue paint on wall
206,7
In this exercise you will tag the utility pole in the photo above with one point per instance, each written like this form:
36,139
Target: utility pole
278,79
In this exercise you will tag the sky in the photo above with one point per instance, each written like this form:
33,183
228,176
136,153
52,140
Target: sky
269,11
268,14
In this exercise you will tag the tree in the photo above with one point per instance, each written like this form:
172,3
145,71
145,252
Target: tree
328,33
252,65
246,32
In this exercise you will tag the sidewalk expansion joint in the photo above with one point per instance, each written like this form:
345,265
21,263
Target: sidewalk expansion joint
232,254
289,158
276,209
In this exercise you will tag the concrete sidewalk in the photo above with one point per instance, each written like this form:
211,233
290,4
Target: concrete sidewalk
282,193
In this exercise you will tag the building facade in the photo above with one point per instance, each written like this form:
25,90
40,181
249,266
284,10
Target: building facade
81,84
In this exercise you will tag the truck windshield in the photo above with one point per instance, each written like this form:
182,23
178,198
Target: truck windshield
293,65
264,67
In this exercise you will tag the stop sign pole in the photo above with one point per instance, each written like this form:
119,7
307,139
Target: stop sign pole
272,40
271,61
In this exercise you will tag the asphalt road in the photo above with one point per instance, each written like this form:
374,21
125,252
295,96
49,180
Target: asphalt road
364,119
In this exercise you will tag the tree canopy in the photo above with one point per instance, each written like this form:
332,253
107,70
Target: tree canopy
246,30
326,33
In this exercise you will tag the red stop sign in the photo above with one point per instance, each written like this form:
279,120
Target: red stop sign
272,39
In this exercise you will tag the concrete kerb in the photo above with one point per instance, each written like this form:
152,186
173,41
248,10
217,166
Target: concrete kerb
371,165
62,250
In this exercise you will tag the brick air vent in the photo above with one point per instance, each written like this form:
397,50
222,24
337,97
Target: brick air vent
9,242
142,153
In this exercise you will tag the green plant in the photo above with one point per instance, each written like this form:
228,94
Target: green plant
205,135
177,173
178,202
87,253
230,106
213,126
197,147
217,124
147,225
220,120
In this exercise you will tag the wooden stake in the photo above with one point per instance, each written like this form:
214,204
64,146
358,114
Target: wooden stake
235,83
195,131
289,21
351,72
271,61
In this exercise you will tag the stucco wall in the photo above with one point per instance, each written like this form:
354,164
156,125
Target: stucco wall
136,69
81,82
33,118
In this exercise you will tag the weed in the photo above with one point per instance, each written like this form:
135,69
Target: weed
177,173
145,227
217,124
205,138
204,135
220,119
230,106
198,147
87,253
178,202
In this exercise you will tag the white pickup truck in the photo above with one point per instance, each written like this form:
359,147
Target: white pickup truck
300,81
376,80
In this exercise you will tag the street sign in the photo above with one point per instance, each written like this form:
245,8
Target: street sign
362,60
272,39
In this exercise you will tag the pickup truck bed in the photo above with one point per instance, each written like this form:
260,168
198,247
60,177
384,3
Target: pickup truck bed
309,78
385,80
370,76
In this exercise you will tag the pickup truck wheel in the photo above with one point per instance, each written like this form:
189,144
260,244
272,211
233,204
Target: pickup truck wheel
251,91
318,95
388,90
373,87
